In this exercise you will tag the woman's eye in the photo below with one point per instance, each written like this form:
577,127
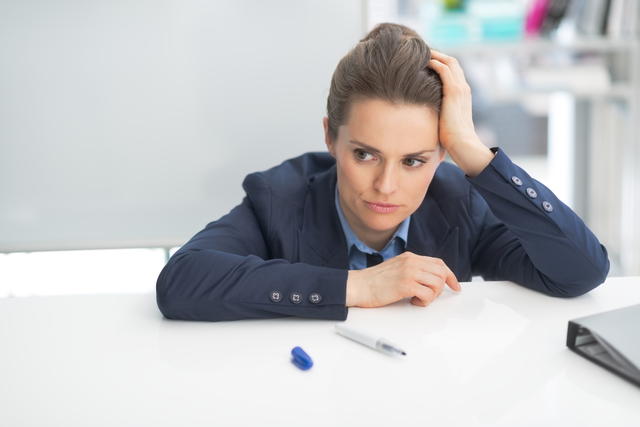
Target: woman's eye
363,155
413,163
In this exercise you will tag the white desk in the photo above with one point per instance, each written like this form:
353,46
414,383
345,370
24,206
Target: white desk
493,355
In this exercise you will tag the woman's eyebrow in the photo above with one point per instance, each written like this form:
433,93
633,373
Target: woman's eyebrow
376,151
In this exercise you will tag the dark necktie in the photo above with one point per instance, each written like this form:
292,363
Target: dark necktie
373,259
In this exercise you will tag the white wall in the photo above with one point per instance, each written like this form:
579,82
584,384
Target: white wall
132,123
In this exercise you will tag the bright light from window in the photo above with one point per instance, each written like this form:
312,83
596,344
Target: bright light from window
123,271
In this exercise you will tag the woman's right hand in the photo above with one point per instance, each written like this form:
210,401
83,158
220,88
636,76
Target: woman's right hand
407,275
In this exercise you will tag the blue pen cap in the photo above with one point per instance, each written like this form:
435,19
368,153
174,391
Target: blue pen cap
301,359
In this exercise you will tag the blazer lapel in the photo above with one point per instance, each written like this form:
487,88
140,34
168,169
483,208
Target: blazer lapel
322,240
428,230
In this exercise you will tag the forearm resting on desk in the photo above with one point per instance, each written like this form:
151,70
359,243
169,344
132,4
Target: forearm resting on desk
407,275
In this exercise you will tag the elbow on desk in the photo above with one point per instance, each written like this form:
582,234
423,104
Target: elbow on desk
189,288
177,291
165,297
582,283
579,274
175,304
573,290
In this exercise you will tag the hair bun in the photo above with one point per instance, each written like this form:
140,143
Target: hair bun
390,64
405,31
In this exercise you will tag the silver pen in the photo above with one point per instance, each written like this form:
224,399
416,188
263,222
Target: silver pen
368,339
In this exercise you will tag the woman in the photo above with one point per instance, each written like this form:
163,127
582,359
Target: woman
380,217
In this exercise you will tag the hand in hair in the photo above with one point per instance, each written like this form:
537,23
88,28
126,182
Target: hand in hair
457,133
407,275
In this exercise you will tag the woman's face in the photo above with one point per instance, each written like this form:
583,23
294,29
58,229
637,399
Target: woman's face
386,157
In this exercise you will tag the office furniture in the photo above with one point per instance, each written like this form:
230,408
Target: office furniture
593,127
494,354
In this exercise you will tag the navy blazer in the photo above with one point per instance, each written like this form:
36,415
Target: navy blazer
286,237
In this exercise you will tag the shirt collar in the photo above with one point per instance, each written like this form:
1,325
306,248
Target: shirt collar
352,240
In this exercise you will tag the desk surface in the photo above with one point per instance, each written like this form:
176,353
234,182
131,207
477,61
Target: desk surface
493,355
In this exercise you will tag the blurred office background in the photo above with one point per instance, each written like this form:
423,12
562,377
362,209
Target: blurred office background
126,126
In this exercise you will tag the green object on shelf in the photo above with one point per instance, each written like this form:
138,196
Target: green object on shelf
476,22
453,4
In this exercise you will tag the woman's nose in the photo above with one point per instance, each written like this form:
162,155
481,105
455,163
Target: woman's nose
386,181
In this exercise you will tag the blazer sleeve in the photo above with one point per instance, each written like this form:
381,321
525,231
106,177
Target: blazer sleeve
530,237
225,272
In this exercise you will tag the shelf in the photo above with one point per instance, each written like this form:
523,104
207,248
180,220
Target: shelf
622,91
617,91
540,45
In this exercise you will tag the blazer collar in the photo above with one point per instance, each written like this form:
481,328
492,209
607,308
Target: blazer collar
428,229
322,240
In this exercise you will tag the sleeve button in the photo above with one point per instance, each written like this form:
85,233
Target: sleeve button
296,298
315,298
517,181
532,193
547,206
275,296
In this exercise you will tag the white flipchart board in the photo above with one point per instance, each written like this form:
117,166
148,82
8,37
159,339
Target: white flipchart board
132,123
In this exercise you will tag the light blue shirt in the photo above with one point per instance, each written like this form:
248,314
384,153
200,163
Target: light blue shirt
358,250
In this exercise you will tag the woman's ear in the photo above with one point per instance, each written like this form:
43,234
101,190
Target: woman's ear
442,154
330,146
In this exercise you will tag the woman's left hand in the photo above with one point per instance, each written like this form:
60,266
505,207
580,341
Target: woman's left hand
457,133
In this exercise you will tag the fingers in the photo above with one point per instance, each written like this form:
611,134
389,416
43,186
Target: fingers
437,274
423,296
420,303
451,63
443,71
452,281
430,275
449,70
407,275
445,59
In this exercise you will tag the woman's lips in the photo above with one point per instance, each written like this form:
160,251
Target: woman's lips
380,207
